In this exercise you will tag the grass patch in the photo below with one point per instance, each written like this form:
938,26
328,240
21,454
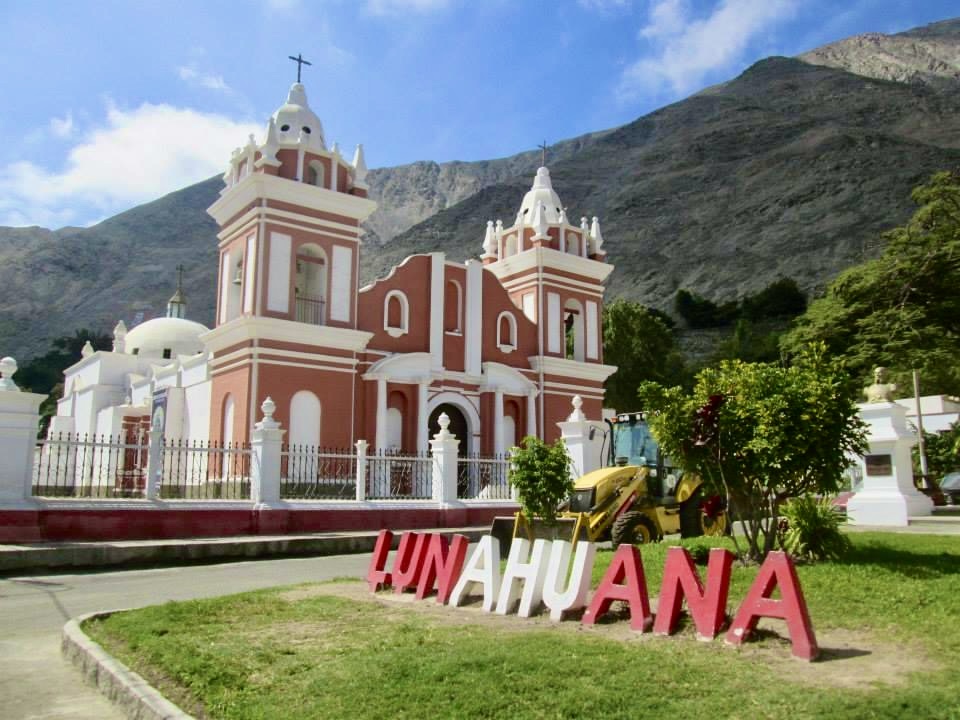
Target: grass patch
886,616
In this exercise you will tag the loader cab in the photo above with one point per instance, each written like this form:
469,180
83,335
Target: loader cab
632,443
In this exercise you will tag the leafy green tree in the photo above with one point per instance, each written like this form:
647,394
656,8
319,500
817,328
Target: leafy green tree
699,312
781,298
749,344
760,434
943,452
640,344
901,310
541,474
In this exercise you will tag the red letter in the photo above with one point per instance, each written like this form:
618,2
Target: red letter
409,560
626,564
680,580
777,571
376,577
442,566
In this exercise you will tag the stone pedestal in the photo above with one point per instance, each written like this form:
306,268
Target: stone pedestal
19,416
266,446
443,449
888,495
583,439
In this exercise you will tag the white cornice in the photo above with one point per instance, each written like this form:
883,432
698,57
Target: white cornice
258,185
572,369
245,328
553,259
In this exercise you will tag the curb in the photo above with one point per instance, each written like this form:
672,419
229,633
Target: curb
125,688
115,554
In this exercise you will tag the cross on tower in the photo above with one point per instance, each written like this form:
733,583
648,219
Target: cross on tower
180,277
300,63
543,153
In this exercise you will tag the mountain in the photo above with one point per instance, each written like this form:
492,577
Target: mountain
928,55
794,168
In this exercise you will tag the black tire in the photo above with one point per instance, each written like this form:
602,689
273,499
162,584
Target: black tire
691,524
632,528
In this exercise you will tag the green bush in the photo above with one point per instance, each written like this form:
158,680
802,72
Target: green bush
812,529
541,475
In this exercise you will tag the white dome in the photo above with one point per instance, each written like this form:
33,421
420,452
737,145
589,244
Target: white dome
297,117
542,191
165,337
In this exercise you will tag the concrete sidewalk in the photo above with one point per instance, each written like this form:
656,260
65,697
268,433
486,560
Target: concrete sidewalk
64,556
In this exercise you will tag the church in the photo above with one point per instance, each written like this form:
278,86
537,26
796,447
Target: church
500,343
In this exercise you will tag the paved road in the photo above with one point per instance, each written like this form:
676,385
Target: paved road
35,682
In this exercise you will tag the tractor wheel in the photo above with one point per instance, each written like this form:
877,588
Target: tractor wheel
694,522
632,528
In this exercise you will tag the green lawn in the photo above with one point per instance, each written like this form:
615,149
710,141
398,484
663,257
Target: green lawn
887,619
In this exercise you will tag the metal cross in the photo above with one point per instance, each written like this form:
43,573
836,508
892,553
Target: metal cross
300,62
543,153
179,277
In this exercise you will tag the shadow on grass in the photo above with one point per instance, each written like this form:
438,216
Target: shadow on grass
916,565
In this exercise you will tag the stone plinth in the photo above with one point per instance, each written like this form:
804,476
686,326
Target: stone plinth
18,439
888,495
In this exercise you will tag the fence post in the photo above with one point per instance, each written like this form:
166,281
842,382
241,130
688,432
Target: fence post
361,470
265,449
154,460
443,447
578,436
19,415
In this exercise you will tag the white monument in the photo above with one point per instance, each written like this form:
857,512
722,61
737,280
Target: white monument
888,495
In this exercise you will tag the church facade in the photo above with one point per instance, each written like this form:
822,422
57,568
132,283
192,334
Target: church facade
500,343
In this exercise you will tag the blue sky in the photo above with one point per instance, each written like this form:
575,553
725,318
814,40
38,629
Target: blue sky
109,104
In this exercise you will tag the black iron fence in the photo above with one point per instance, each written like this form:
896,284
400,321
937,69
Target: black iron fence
312,473
204,470
90,466
400,475
483,477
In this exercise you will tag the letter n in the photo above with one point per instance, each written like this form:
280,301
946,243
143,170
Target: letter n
408,563
441,566
777,571
681,581
624,580
377,577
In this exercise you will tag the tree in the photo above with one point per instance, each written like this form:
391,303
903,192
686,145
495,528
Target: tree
901,310
541,475
781,298
760,434
642,347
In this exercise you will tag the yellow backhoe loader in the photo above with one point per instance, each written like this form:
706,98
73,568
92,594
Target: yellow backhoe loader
638,498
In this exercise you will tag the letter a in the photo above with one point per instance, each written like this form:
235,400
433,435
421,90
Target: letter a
482,568
377,577
680,580
777,571
626,565
574,596
442,566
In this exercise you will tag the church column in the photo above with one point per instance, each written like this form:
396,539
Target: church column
381,414
498,421
423,435
532,412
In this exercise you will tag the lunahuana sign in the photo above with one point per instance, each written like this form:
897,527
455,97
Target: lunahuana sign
538,574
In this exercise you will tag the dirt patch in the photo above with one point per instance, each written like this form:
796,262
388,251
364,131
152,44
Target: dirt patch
848,659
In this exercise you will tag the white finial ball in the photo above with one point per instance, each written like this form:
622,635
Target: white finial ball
268,407
577,402
444,422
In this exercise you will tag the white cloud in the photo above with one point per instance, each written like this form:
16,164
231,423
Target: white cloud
205,80
138,155
399,7
62,127
686,50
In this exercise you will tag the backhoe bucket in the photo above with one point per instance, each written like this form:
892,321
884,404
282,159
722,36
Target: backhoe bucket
563,528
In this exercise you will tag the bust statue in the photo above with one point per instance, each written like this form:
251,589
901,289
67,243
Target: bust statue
880,391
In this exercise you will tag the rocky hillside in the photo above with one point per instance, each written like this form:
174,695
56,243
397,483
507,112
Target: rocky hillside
928,55
790,169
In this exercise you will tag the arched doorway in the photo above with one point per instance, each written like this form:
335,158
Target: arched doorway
458,425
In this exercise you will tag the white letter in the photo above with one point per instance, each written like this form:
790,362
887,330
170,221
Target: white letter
527,568
483,567
575,596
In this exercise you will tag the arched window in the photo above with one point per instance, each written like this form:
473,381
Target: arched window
453,307
316,173
304,419
573,325
507,332
396,313
310,290
226,420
